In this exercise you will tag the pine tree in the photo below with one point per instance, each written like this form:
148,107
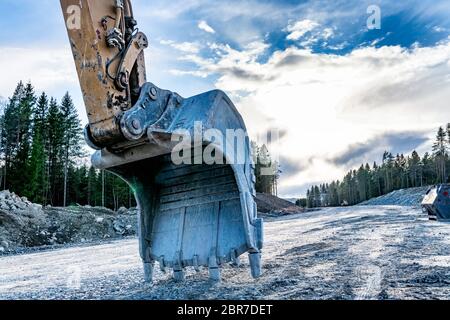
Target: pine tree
54,153
362,184
266,171
16,123
9,123
428,169
309,201
9,139
448,133
71,138
38,160
317,198
21,163
440,154
388,167
415,169
92,187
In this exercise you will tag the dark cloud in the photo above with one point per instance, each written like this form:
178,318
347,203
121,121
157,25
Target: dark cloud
352,154
290,167
386,94
243,74
292,59
297,191
403,142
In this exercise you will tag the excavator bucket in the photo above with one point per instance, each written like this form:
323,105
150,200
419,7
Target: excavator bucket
194,213
188,161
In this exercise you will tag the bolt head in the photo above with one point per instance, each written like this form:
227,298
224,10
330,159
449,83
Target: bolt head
153,93
136,124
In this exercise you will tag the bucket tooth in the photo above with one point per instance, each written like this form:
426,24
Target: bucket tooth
195,263
213,268
148,263
178,275
178,272
214,274
148,271
255,264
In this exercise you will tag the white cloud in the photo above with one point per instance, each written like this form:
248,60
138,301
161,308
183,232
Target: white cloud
203,25
49,69
439,29
300,28
327,33
187,47
45,67
327,102
199,74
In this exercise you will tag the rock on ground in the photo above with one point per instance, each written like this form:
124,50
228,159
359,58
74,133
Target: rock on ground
27,225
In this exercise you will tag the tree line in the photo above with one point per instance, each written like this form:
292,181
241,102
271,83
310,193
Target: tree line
394,172
44,157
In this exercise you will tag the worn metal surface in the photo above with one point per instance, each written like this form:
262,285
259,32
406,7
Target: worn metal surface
194,214
101,66
437,202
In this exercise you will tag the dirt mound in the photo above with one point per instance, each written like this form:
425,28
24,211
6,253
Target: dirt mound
403,197
24,224
271,204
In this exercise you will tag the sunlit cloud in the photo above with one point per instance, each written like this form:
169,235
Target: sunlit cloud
329,102
300,28
203,25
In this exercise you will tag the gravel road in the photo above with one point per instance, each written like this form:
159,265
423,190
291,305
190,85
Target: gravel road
370,252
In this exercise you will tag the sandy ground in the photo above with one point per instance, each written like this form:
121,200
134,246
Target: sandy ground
346,253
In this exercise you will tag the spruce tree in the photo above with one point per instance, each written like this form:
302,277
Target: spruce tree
415,170
55,152
17,138
71,138
9,139
440,154
36,190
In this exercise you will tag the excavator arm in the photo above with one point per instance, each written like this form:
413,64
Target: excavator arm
195,213
109,56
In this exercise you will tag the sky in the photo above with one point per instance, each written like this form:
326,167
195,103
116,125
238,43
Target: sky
338,92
